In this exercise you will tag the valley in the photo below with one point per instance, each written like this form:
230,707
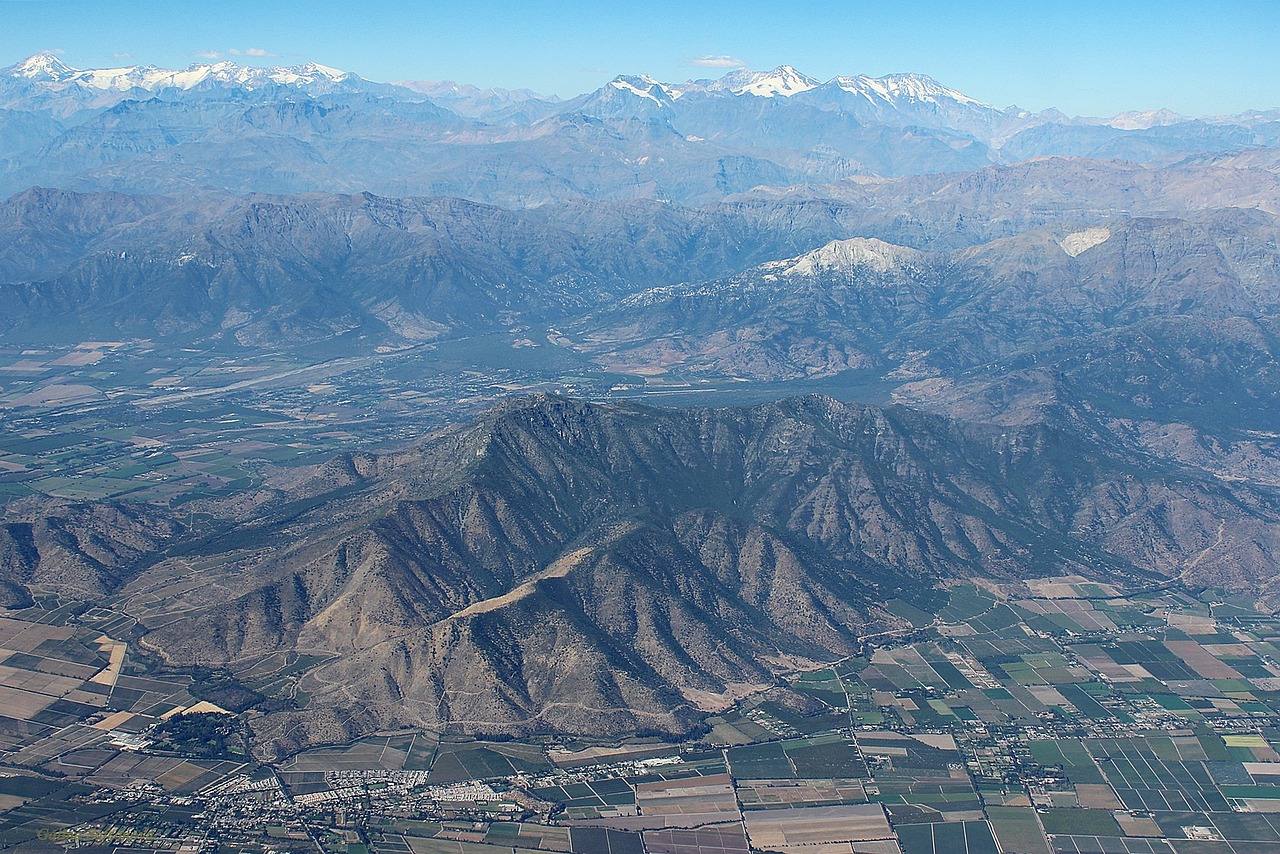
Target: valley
152,422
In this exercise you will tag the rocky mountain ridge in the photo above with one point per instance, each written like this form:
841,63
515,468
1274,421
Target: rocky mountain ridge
570,567
265,270
867,304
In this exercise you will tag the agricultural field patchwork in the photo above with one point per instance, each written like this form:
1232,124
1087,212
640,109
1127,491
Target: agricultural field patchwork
1054,717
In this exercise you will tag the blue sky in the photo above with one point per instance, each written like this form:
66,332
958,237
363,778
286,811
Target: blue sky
1082,56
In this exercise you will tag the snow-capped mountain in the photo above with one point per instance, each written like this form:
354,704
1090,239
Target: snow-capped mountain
782,81
42,67
46,81
248,77
915,100
786,81
715,109
46,68
625,98
899,88
644,86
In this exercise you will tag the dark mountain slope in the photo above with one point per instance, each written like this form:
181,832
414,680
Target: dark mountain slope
80,550
274,271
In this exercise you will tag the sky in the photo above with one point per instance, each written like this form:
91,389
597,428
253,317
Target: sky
1084,57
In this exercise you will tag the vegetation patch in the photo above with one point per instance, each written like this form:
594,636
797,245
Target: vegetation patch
207,735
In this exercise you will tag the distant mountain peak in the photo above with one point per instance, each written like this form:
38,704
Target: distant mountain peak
905,87
895,90
1145,119
783,80
325,70
643,86
41,66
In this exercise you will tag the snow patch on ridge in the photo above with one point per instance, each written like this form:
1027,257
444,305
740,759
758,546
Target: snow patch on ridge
1082,241
642,86
847,254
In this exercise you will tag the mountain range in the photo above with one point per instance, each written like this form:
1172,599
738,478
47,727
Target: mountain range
410,269
309,128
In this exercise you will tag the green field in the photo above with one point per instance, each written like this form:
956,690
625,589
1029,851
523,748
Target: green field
967,837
